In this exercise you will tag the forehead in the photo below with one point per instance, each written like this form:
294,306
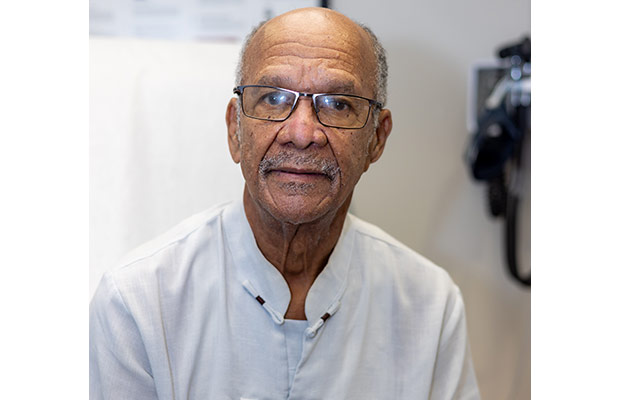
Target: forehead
312,52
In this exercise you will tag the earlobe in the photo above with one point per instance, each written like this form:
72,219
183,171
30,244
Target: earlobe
234,145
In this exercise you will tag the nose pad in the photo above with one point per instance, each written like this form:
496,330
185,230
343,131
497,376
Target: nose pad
306,98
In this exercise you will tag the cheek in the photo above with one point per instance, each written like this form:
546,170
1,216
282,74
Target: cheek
254,145
352,157
247,150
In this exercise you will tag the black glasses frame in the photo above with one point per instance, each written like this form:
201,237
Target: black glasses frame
238,90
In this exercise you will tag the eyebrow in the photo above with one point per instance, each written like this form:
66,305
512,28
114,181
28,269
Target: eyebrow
347,87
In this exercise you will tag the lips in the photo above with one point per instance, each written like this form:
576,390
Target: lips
301,176
297,165
298,170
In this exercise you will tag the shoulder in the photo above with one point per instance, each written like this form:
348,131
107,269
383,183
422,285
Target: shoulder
188,229
388,259
170,254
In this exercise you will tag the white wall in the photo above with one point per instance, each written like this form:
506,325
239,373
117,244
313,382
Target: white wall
420,190
158,148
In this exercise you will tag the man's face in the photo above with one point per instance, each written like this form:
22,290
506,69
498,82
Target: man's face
299,170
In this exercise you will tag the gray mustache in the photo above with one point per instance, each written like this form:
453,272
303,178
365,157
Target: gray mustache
288,159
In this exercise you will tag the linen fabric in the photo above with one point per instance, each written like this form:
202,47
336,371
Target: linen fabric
294,335
198,313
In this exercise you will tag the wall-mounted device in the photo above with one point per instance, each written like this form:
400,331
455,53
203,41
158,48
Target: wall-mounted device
499,120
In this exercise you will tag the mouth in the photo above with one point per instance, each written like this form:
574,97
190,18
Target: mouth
298,171
297,175
299,167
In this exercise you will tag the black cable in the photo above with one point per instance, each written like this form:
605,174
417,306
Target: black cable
512,207
512,201
496,190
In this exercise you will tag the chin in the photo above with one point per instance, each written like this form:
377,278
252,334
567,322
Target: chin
299,210
298,201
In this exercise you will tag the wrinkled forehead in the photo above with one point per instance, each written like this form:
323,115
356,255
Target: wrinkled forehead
317,48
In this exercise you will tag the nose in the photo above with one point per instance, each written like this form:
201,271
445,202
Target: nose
302,128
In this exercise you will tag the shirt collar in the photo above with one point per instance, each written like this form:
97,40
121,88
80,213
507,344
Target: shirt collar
269,284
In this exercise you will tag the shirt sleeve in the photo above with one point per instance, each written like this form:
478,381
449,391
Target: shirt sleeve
454,376
119,366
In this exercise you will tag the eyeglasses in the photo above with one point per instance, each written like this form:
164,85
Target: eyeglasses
333,110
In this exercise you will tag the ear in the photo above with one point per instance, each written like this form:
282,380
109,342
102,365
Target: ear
377,144
234,145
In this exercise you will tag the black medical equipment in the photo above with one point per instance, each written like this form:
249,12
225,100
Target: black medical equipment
502,125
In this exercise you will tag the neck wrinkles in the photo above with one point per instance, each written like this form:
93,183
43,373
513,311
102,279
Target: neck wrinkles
299,252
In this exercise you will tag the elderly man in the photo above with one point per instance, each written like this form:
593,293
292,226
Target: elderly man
284,295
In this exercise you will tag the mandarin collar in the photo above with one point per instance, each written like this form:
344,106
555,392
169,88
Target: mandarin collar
251,266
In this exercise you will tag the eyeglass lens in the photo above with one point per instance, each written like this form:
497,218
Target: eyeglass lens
276,105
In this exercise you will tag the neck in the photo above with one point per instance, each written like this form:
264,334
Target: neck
298,251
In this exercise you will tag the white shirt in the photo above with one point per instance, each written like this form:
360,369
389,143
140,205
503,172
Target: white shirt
294,336
182,319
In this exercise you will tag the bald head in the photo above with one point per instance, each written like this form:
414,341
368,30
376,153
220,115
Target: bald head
318,33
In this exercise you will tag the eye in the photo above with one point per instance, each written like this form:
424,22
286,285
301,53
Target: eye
276,98
335,103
